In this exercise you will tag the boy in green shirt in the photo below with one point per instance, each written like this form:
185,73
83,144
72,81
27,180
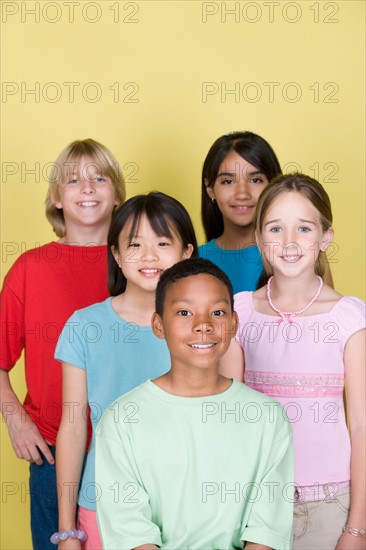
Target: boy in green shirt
194,460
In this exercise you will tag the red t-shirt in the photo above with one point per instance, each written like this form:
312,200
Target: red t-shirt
41,291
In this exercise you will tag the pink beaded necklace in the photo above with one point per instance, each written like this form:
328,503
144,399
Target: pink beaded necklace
290,315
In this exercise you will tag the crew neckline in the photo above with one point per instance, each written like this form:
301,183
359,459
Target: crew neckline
150,386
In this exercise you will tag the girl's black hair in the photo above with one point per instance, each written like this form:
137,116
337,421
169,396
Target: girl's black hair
164,214
251,147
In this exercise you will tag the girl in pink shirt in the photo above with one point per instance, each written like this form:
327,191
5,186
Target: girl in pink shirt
301,340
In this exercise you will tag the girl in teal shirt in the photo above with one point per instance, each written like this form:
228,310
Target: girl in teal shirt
237,168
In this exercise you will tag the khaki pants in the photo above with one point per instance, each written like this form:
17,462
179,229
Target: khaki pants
318,525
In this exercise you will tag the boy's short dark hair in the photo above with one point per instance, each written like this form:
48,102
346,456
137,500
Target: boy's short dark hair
187,268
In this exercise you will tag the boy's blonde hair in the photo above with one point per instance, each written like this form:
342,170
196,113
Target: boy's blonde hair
100,155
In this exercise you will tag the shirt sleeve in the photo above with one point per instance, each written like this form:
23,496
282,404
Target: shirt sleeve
270,520
123,510
12,312
70,347
350,316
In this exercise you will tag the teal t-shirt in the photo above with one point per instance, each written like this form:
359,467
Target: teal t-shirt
194,473
117,357
243,266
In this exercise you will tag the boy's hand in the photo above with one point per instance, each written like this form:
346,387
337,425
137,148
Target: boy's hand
26,439
24,434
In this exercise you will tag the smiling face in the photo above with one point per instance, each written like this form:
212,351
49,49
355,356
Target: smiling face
236,189
197,321
292,234
86,196
144,256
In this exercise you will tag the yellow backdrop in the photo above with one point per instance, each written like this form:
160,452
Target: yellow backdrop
158,82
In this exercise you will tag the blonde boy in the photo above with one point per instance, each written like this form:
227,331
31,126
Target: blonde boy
42,289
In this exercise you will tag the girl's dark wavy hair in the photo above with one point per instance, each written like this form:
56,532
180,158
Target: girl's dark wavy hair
164,214
252,148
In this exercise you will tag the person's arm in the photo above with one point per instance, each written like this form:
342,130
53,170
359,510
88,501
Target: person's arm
24,435
232,363
70,448
356,405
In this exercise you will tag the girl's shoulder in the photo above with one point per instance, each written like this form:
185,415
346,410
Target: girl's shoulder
94,311
349,308
205,249
243,302
349,316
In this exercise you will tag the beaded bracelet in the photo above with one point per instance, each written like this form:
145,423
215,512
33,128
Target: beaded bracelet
354,532
72,534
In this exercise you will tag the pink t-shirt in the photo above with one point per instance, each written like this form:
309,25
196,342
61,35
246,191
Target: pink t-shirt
300,364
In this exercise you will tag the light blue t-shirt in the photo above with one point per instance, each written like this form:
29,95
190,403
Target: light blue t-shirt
117,357
243,266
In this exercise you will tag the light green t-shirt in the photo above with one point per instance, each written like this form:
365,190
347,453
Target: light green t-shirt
194,473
